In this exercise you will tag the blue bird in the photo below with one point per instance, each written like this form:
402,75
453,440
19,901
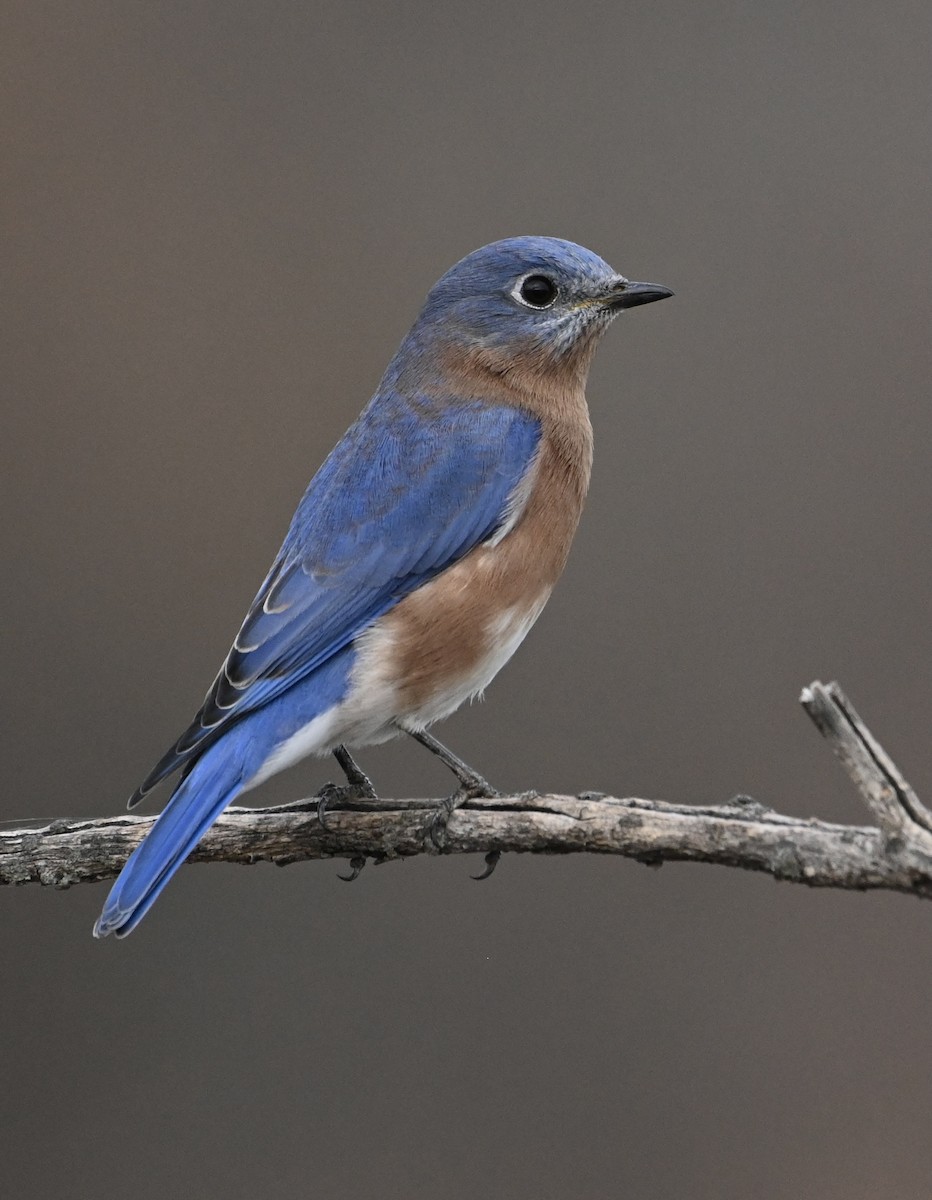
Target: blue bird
421,553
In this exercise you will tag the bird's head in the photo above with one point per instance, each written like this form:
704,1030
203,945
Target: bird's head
536,303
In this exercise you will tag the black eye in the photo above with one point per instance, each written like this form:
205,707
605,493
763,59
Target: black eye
538,291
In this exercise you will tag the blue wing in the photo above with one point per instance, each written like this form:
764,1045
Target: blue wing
412,487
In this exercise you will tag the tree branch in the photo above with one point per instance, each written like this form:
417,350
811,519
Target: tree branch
895,854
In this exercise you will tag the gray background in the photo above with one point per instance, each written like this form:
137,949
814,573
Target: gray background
221,218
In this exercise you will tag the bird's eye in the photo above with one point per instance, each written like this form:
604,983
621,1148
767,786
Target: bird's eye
538,291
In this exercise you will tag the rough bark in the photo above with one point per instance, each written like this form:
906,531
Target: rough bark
896,853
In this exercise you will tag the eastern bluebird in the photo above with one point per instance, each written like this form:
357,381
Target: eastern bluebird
421,553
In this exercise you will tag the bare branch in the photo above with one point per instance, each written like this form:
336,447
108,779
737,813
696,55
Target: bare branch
896,855
895,805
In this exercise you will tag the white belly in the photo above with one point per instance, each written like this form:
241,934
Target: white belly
373,710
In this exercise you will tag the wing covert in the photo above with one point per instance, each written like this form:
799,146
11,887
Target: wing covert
404,494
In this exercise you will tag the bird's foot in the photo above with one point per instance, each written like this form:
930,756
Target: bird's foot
475,786
333,798
478,789
358,795
358,788
348,799
491,862
357,862
440,818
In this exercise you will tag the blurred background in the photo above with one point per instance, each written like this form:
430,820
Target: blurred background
220,219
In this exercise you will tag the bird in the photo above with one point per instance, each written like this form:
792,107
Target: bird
422,551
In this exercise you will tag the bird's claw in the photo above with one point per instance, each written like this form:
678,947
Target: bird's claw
476,789
357,862
326,797
331,796
491,862
437,828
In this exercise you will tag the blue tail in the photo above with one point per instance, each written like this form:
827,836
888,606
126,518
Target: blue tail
197,802
222,771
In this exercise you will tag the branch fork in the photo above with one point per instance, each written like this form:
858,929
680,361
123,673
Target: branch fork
894,853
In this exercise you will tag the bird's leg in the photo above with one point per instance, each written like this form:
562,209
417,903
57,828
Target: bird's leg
358,787
472,785
355,775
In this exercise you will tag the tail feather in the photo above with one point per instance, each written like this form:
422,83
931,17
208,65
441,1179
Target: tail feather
197,802
170,761
213,774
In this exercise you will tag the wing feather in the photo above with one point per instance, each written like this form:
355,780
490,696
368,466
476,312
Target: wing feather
408,491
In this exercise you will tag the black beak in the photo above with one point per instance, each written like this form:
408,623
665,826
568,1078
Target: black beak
627,295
